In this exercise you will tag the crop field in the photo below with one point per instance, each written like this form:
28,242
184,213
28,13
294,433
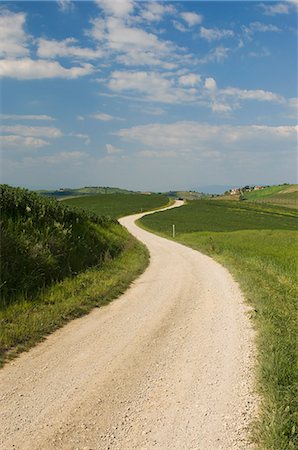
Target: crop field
283,195
258,243
118,205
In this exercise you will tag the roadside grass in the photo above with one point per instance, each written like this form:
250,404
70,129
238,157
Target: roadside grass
58,262
118,205
28,321
258,244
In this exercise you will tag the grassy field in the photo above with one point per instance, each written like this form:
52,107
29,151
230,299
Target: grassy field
118,205
258,244
57,263
283,195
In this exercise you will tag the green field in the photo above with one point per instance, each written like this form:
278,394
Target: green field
57,263
283,195
259,245
118,205
87,190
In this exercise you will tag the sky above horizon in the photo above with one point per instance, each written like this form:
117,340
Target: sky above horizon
148,95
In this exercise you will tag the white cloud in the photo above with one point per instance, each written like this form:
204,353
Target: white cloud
25,117
276,8
52,49
250,94
154,86
180,27
22,130
74,157
221,107
85,137
111,150
218,54
258,27
21,142
133,46
65,5
102,116
28,69
213,34
190,79
13,39
199,137
119,8
154,11
210,84
157,154
191,18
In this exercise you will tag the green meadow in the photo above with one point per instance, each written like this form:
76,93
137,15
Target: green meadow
283,195
258,243
118,205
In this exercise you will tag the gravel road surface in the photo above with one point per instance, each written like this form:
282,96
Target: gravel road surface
168,365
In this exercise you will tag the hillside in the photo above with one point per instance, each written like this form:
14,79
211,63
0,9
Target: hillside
87,190
284,195
118,205
45,241
57,263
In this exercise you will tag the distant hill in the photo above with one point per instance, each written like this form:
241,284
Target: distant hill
87,190
186,195
283,194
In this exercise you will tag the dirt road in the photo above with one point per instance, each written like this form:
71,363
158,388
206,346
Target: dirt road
166,366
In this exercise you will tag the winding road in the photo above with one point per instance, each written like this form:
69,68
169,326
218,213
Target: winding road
168,365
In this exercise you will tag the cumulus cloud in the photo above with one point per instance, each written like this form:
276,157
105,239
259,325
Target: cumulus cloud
102,116
154,11
276,8
28,69
210,84
133,46
198,137
252,94
119,8
111,150
85,137
65,5
21,142
191,18
52,49
152,85
22,130
258,27
190,79
218,54
213,34
26,117
13,39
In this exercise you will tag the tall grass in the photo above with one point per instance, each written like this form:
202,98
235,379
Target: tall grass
259,245
43,241
56,264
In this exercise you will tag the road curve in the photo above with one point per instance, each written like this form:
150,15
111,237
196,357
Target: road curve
166,366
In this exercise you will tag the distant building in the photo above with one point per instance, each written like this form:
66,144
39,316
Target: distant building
235,191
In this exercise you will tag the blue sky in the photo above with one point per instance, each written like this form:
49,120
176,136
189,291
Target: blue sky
148,95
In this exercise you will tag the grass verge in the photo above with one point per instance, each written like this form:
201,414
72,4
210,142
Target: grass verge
27,322
263,260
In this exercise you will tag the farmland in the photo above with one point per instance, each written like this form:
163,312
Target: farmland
283,195
118,205
258,243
